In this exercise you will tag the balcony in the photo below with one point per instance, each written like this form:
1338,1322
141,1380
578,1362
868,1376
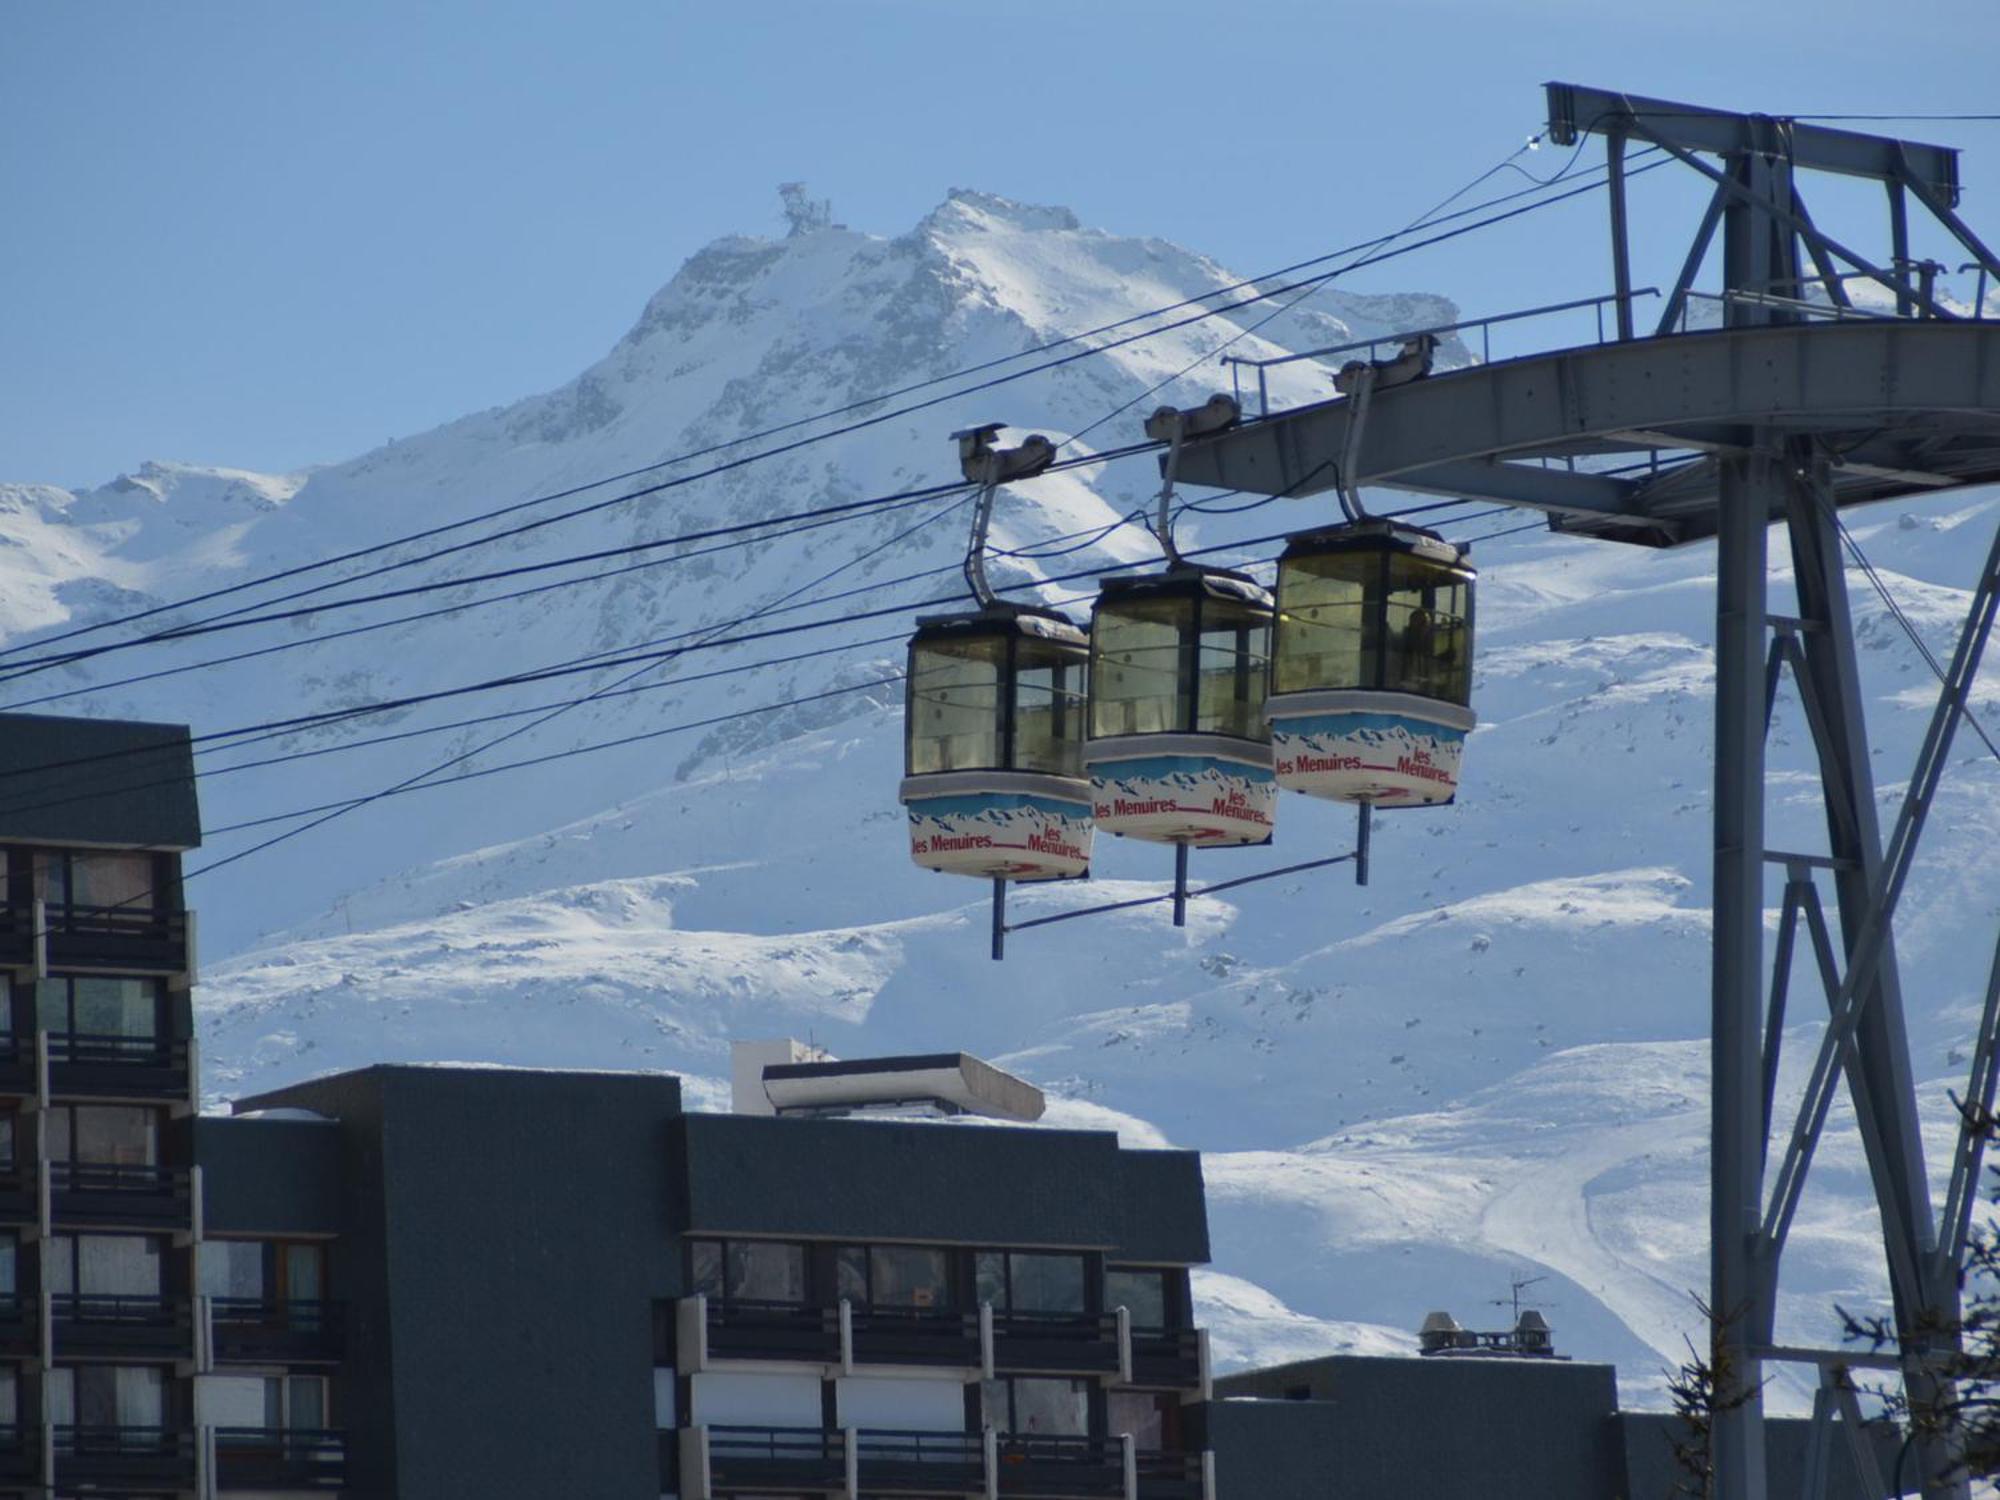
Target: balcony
1165,1474
107,1195
746,1331
1167,1358
914,1336
265,1331
20,1454
83,1066
261,1458
1061,1468
111,939
145,1459
764,1460
1033,1343
920,1463
133,1328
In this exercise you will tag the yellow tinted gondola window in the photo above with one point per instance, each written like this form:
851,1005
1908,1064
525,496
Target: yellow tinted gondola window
1327,637
1231,671
1427,637
954,705
1048,709
1137,683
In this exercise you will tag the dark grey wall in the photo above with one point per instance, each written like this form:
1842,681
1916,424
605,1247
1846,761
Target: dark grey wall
954,1184
97,781
525,1221
270,1177
1443,1429
1466,1429
1649,1458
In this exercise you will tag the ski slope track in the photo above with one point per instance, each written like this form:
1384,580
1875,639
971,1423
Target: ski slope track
1491,1061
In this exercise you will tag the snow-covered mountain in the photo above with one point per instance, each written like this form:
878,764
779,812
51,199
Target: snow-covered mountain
1487,1061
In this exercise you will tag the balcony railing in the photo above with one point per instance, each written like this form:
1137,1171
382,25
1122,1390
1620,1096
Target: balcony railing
783,1459
136,1327
719,1463
116,1067
124,939
914,1336
263,1458
20,1453
920,1463
1168,1358
141,1458
261,1330
1058,1344
700,1331
119,1195
1167,1474
1060,1468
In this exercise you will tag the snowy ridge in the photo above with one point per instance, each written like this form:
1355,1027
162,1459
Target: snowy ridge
1489,1059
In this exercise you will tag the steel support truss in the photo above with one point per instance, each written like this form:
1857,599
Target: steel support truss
1755,1197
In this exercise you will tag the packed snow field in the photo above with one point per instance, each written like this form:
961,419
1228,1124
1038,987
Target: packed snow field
1488,1062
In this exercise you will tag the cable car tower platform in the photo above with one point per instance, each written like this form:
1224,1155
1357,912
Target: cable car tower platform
1800,404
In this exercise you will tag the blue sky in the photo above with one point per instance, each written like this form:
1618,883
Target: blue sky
274,234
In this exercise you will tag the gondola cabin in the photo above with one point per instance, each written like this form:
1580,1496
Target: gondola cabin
1179,751
993,739
1371,677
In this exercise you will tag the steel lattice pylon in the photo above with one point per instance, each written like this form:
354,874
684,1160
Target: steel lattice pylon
1799,405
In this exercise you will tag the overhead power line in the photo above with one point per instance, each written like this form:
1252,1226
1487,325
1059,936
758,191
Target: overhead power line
1306,285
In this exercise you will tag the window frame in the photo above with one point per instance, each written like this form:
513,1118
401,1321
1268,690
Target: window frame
1092,1305
728,1296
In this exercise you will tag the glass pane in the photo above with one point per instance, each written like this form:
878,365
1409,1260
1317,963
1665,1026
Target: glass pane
305,1273
232,1268
850,1274
1048,1283
1141,1293
52,878
1051,1407
1234,649
705,1268
1426,639
142,1396
273,1394
909,1276
1139,686
111,880
1323,637
1137,1413
117,1265
52,1004
1048,710
10,1256
6,1140
10,1396
954,705
993,1406
989,1278
59,1395
116,1133
308,1402
117,1007
59,1264
763,1271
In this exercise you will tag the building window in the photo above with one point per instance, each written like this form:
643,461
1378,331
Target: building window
10,1267
103,1265
913,1276
70,877
263,1270
1149,1417
107,1396
1035,1407
1141,1293
100,1007
748,1270
1021,1281
125,1135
